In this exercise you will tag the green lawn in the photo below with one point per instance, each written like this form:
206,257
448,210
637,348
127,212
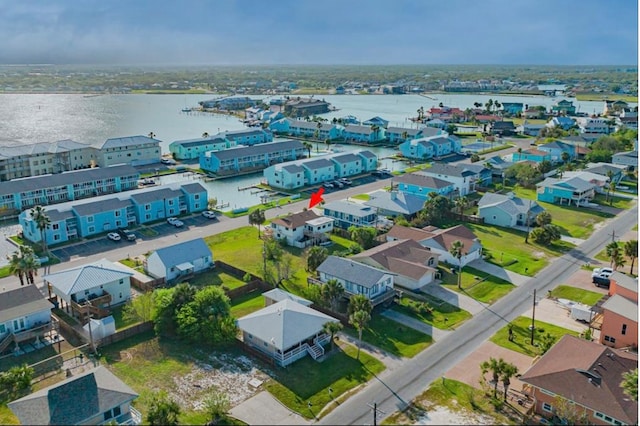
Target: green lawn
616,202
309,381
573,221
119,319
363,197
247,304
576,294
522,335
392,337
508,244
217,278
7,417
412,307
489,290
458,397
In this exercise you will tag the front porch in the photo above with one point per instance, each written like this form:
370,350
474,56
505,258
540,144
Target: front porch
36,334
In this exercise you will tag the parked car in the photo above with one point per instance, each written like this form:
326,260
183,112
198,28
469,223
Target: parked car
127,234
345,181
602,272
168,161
328,185
114,236
175,222
210,214
337,184
601,282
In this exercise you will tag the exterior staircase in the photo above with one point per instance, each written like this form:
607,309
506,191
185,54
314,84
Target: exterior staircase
4,344
316,351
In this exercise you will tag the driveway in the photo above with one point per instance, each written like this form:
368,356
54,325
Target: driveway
264,409
497,271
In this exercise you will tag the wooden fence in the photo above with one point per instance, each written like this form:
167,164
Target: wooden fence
126,333
147,285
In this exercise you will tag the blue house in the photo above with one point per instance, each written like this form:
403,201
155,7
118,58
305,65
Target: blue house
430,147
532,154
376,121
565,123
190,149
565,191
508,210
616,171
180,261
421,185
512,108
241,158
306,129
555,150
364,134
247,137
349,213
403,134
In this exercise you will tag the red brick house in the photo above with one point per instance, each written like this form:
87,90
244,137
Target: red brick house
585,377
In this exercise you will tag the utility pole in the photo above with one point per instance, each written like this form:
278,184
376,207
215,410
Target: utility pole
374,406
533,316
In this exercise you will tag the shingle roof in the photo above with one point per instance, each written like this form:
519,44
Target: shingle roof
344,158
188,143
156,194
405,232
575,183
461,233
512,205
316,163
402,257
284,324
448,170
355,128
99,206
194,188
19,301
399,202
42,147
86,277
295,220
420,179
588,374
351,271
183,252
74,400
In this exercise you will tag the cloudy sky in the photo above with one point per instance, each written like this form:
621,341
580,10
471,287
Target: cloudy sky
235,32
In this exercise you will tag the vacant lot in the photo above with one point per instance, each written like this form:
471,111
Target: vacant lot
477,284
522,335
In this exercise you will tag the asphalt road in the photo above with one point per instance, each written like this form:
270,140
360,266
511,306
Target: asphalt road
393,390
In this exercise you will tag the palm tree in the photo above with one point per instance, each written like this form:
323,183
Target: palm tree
256,217
332,328
360,302
152,135
565,156
332,291
610,176
508,371
629,384
308,147
23,264
359,319
43,222
631,251
489,105
456,251
519,154
613,252
460,203
495,366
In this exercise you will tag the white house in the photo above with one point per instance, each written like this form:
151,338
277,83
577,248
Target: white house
179,261
462,176
302,229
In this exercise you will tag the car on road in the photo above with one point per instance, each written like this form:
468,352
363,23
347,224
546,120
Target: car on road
127,234
113,236
602,272
175,222
210,214
601,282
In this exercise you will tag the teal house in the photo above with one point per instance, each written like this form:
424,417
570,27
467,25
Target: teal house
421,185
363,134
424,148
532,154
555,150
190,149
245,158
403,134
564,107
565,191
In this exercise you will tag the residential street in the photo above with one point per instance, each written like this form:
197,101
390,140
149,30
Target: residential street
392,390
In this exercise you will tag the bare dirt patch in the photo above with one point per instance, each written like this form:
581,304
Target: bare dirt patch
443,416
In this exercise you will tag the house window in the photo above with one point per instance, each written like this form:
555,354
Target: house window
55,226
624,329
147,206
3,328
18,324
56,237
92,229
172,269
547,407
121,281
196,197
265,344
117,411
120,296
609,339
90,219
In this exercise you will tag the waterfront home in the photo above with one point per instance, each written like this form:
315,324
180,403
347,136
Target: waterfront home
512,108
507,210
42,158
92,397
619,312
628,159
563,107
191,149
376,121
556,149
534,112
247,137
395,203
270,116
565,123
565,191
98,215
465,177
595,370
501,128
286,331
439,241
426,147
315,170
626,122
592,128
375,283
404,134
444,113
21,194
252,113
532,154
302,229
89,290
179,261
530,129
25,316
229,103
614,107
308,129
363,134
134,150
421,185
412,265
305,107
349,213
605,169
244,158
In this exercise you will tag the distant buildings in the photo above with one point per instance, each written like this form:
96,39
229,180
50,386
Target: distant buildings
304,107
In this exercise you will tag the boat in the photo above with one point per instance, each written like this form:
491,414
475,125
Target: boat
186,109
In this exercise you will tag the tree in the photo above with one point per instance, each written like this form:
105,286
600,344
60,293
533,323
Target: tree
495,367
436,209
451,129
332,328
16,382
610,177
23,264
524,174
543,218
140,308
546,342
456,251
629,384
43,222
207,318
519,153
546,234
256,217
151,135
613,252
508,370
331,292
162,410
363,235
359,319
565,156
359,302
489,105
545,166
308,147
216,406
460,203
631,251
315,256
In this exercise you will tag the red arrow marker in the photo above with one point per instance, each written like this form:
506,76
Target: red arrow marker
316,198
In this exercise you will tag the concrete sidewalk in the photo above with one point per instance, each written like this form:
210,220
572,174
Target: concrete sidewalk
496,271
434,332
264,409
